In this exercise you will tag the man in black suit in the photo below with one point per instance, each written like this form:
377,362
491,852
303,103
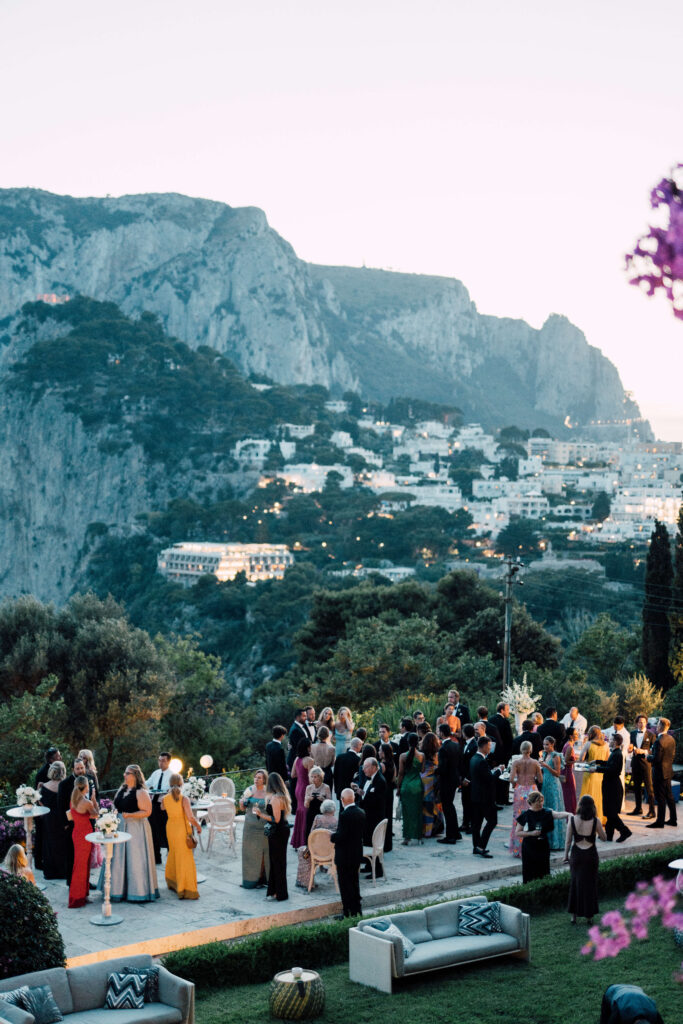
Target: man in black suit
372,798
275,755
662,758
642,741
612,790
551,727
483,792
385,737
469,749
348,852
628,1004
309,724
501,720
297,733
52,754
528,734
448,774
346,767
496,752
406,727
64,791
461,710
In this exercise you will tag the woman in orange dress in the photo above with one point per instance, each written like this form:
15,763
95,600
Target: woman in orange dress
594,749
181,873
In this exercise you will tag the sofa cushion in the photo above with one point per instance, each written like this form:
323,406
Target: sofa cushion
390,935
479,919
457,950
89,983
125,991
413,924
151,976
15,996
388,930
151,1013
442,920
55,977
40,1002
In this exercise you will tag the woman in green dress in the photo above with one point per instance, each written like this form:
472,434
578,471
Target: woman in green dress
410,790
255,861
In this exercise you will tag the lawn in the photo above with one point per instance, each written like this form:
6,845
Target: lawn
558,985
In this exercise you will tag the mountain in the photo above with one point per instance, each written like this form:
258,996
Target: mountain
221,277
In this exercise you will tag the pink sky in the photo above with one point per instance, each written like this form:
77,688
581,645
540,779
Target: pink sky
511,145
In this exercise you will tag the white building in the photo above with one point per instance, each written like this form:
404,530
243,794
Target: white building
527,506
309,477
439,495
187,561
341,439
299,430
252,450
337,405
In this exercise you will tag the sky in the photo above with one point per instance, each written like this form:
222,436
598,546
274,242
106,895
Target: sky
512,145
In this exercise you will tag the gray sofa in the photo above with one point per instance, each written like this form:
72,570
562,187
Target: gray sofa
80,993
376,961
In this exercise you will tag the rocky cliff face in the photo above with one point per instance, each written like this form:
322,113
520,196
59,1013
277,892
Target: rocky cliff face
221,277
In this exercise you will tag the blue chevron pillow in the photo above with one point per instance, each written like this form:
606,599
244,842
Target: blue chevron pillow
125,992
478,918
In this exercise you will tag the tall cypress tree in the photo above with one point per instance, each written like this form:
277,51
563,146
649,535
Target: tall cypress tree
657,608
677,598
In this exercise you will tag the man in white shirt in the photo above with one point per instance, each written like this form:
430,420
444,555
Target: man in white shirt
159,784
577,722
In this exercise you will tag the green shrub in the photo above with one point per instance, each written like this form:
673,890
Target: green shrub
29,937
257,958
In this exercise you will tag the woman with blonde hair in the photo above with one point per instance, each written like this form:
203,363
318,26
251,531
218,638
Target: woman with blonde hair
274,816
16,863
343,731
326,719
181,873
594,749
255,857
88,760
525,777
82,810
133,871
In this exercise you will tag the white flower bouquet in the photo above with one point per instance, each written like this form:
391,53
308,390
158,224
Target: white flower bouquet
521,697
27,796
194,788
107,822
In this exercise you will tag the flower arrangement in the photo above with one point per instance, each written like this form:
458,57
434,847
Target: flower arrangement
616,931
27,796
107,822
106,804
11,832
521,697
194,788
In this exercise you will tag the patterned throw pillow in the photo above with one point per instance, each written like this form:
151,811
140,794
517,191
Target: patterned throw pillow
41,1003
151,976
125,992
479,919
389,930
16,996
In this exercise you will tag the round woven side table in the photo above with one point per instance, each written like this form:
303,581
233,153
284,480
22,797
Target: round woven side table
297,996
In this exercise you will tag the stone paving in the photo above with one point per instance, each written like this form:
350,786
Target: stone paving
226,910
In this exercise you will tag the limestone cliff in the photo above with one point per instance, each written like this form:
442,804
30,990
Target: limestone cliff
222,277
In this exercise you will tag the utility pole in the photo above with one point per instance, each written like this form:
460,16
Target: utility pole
512,570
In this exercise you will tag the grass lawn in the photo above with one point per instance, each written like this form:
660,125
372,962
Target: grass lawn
558,985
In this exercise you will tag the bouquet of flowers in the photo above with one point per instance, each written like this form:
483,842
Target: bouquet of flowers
27,796
107,822
194,787
521,698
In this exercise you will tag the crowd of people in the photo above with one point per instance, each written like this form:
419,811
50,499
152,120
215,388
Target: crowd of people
566,778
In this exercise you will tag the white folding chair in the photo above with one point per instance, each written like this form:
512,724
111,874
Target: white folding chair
322,852
222,787
220,820
375,852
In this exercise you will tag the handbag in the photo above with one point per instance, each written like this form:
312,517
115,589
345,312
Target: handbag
190,836
268,829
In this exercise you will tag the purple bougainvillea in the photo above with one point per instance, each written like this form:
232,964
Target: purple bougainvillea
657,259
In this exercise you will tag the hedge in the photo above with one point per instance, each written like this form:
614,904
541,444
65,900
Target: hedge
258,957
29,936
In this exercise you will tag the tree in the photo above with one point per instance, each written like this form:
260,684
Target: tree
519,537
656,638
637,696
605,651
601,507
28,725
483,634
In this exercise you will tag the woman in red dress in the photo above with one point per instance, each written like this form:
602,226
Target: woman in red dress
82,810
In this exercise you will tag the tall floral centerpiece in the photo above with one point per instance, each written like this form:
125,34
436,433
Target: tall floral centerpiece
522,700
27,797
107,821
194,788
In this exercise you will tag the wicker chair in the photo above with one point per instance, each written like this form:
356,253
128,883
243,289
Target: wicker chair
322,852
220,820
222,786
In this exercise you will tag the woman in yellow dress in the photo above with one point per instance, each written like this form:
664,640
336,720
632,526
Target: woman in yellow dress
181,873
594,749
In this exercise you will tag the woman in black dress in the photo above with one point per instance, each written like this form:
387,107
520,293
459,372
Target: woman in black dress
533,828
54,834
582,856
278,807
388,769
